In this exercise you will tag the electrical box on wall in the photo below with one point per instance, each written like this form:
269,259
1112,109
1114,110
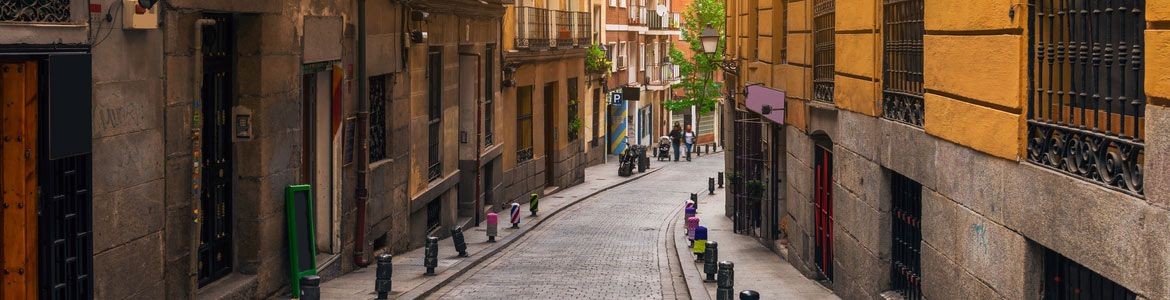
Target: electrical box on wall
134,16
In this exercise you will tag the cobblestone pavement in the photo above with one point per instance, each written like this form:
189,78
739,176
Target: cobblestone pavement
613,246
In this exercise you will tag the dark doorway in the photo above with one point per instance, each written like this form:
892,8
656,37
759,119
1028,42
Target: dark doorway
824,210
550,133
215,244
777,185
906,236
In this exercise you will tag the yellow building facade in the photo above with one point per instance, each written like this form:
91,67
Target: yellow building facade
957,149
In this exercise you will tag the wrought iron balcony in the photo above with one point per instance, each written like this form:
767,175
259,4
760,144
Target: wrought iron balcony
539,28
662,74
670,21
1086,107
638,14
35,11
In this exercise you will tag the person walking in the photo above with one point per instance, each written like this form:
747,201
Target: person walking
689,138
676,136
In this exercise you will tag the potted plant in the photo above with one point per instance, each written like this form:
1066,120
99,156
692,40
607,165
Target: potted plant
755,188
733,177
596,62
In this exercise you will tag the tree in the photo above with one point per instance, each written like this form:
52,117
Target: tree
697,71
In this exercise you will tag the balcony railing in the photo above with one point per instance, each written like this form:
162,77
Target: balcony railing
662,74
638,14
667,22
539,28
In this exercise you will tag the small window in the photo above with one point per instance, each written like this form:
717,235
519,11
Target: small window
524,124
823,47
1067,279
378,117
906,237
435,113
489,94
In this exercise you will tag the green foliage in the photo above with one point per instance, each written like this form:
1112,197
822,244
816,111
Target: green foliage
595,60
574,120
697,71
755,188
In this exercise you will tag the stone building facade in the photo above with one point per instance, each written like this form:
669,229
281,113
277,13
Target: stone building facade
543,87
165,167
949,149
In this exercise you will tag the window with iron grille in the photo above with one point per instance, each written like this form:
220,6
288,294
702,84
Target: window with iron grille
524,124
1086,107
378,117
489,94
902,68
823,47
1067,279
574,118
35,11
906,237
435,112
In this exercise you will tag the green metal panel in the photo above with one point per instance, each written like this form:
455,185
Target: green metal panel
302,249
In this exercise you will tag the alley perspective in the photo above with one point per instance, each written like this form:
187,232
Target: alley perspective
593,149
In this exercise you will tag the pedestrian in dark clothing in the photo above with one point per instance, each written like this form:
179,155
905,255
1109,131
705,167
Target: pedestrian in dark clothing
676,136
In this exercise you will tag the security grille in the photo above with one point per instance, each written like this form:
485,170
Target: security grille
1086,108
823,47
35,11
489,92
524,124
66,222
902,87
377,117
1067,279
906,232
749,162
435,113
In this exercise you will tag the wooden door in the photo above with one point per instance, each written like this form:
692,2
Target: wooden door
824,211
18,214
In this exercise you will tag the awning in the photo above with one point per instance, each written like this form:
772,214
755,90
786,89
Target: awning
766,101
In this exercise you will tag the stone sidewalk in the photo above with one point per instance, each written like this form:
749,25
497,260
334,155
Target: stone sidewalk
408,280
756,267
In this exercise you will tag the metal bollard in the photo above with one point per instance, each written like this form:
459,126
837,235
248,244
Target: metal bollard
692,223
431,255
695,197
710,186
749,295
726,281
457,238
700,242
515,215
719,179
383,276
533,202
709,264
311,287
493,223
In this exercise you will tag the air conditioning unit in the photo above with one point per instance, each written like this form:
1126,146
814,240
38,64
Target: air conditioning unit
135,16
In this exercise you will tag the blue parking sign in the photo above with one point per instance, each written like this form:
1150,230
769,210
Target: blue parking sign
616,99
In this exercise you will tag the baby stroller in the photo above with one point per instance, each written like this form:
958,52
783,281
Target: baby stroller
663,148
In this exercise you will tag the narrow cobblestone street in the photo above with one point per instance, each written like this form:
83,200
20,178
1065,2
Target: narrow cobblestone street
612,246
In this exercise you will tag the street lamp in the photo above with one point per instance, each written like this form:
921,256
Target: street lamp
710,40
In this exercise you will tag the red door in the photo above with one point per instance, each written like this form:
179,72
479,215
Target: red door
824,211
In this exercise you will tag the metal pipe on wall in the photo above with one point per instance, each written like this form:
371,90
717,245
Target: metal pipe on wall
196,151
363,138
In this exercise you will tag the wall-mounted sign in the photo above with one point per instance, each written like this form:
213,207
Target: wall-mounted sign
616,99
632,93
766,101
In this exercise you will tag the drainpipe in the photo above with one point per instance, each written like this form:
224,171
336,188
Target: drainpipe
363,138
196,150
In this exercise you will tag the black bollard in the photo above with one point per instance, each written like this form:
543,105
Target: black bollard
383,275
431,255
710,186
533,204
719,179
749,295
695,197
726,281
457,238
709,265
311,287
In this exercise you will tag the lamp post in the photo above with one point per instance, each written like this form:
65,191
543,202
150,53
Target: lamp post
710,40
